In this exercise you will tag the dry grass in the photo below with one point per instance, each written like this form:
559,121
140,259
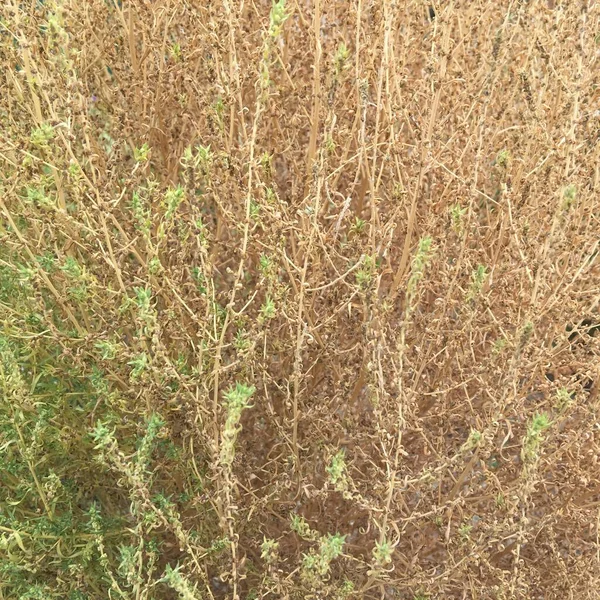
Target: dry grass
299,301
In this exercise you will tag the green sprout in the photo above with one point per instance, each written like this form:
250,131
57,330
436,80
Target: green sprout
200,279
270,196
345,590
140,364
478,278
503,158
569,196
382,553
316,564
457,215
71,268
175,580
525,333
175,51
107,348
187,160
266,163
330,145
268,550
254,210
277,17
473,440
173,198
267,310
337,471
364,275
154,425
301,527
564,399
219,108
358,226
465,531
340,59
141,212
419,263
533,437
141,154
237,399
205,158
265,265
241,342
76,274
42,136
38,196
154,265
499,346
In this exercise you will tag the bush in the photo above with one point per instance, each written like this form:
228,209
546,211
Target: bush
299,300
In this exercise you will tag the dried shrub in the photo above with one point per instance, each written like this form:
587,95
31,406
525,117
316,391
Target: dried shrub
299,300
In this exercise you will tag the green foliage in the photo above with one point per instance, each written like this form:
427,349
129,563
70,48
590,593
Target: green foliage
382,553
77,277
204,159
419,263
564,399
180,584
267,310
175,51
266,163
346,590
198,277
525,334
108,349
173,199
145,311
341,58
478,278
42,136
533,437
358,226
219,108
265,265
41,495
302,528
142,154
154,265
503,158
569,196
465,531
337,471
457,215
38,196
364,275
317,562
254,210
473,441
277,17
268,550
140,364
498,346
154,426
141,212
330,145
237,399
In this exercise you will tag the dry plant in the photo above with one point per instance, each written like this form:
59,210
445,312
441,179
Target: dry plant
299,299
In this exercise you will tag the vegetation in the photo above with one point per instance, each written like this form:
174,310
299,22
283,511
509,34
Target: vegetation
299,300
